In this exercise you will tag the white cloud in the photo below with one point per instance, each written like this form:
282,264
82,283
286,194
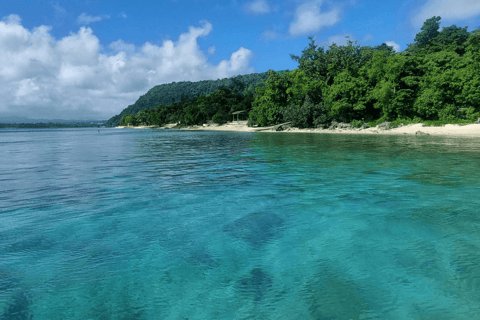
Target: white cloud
447,9
239,61
120,45
59,10
368,37
211,50
393,44
12,19
257,7
86,19
71,78
309,18
269,34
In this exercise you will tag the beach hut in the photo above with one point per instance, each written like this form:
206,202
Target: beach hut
243,114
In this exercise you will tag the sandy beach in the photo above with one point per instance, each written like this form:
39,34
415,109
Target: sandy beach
470,130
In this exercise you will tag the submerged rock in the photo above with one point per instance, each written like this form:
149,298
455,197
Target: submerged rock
19,309
257,283
255,228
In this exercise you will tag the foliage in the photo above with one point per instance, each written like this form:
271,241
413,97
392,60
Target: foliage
324,65
429,31
357,123
307,115
220,118
169,93
281,91
217,106
452,39
270,100
436,76
351,97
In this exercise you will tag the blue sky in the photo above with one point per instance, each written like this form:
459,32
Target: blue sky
91,59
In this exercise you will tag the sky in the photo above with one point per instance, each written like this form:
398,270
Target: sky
77,60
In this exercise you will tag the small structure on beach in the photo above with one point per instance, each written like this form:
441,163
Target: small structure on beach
241,113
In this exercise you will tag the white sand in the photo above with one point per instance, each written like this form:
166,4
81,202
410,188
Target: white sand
470,130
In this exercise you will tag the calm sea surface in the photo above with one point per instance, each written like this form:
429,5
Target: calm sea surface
169,224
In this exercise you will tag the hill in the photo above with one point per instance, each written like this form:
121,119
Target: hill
166,94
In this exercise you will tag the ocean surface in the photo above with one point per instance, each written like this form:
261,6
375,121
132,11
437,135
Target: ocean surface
170,224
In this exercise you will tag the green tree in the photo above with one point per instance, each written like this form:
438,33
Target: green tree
451,38
429,31
307,115
439,86
385,47
270,100
321,64
424,38
347,98
300,85
395,80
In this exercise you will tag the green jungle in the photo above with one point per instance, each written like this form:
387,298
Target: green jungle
435,81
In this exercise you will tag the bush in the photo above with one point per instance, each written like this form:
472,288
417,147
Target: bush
307,115
417,120
374,123
470,114
251,122
322,121
219,118
357,123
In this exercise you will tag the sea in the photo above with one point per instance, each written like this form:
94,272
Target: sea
130,224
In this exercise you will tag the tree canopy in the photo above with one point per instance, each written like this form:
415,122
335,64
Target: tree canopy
434,78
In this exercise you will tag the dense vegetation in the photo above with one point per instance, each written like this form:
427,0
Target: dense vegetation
49,125
168,94
435,80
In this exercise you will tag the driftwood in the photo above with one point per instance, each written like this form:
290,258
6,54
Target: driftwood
272,127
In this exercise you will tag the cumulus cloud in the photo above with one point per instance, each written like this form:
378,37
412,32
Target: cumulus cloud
86,19
447,9
393,44
12,19
257,7
309,18
73,78
120,45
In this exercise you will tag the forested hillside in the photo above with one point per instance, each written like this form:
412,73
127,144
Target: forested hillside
166,94
436,80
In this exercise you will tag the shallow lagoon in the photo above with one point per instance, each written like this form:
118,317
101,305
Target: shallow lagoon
159,224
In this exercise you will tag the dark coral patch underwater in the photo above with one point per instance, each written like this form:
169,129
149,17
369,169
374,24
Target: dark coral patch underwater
256,228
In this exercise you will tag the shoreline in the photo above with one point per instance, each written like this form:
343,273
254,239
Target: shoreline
468,130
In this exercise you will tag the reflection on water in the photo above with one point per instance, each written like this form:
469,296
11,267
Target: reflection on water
145,224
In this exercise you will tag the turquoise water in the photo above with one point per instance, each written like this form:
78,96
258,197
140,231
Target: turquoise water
145,224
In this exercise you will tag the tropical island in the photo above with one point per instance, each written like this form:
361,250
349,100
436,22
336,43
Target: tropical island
434,82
